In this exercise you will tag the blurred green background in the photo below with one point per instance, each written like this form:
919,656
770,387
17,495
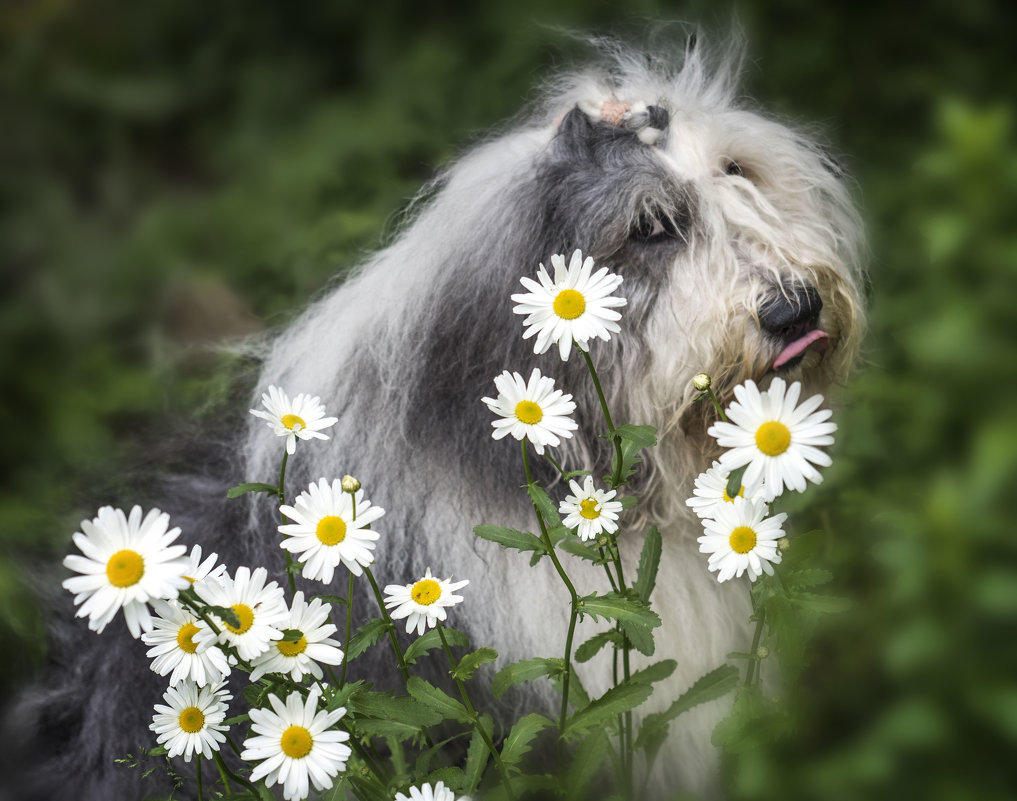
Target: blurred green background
172,173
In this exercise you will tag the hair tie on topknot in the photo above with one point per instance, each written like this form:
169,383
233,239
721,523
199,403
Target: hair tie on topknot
647,122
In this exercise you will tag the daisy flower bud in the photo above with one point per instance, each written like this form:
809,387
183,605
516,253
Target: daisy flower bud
701,381
350,484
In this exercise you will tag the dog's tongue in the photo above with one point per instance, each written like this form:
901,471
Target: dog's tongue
815,338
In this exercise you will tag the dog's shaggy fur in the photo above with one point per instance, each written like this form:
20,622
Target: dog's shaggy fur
733,232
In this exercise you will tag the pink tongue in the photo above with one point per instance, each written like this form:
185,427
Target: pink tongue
802,344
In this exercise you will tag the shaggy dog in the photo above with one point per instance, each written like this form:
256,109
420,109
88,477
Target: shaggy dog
740,250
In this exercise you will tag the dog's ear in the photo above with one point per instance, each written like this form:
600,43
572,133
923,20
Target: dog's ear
575,135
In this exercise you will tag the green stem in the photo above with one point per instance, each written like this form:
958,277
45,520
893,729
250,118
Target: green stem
224,769
616,478
281,494
502,770
573,595
752,672
390,626
349,628
557,466
201,790
716,403
222,775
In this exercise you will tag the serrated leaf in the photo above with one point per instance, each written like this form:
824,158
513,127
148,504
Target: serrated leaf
512,538
396,707
589,649
635,617
236,721
628,501
525,670
734,482
477,755
577,548
432,697
469,663
809,577
619,699
575,474
710,687
225,614
633,439
519,738
430,640
291,635
545,506
588,759
366,636
649,562
253,486
639,436
658,671
255,694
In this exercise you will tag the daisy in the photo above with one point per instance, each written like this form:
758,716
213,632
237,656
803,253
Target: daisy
303,417
533,409
576,306
426,793
198,570
175,650
711,491
192,721
325,532
259,606
742,538
128,561
590,510
299,657
776,440
297,743
422,603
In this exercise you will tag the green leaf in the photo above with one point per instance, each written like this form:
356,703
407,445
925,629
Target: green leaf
577,548
390,706
545,506
519,738
710,687
452,777
640,436
477,755
734,482
649,561
254,486
633,439
624,697
431,696
430,640
809,577
469,663
366,636
511,538
291,635
658,671
589,649
329,599
236,721
824,604
525,670
635,617
627,501
588,759
225,614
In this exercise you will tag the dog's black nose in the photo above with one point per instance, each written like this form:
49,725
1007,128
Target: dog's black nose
791,311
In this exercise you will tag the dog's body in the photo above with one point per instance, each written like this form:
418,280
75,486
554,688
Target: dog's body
725,226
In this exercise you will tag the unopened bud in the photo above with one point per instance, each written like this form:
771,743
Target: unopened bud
762,652
783,543
350,484
701,382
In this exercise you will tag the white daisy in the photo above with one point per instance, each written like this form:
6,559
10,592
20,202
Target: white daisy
590,510
175,649
128,561
422,603
742,538
297,743
198,570
776,440
192,721
325,532
576,306
425,793
259,606
301,656
303,417
711,491
533,409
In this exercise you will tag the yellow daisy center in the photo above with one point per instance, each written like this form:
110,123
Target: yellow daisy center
588,509
192,720
125,568
529,412
331,530
569,304
246,615
729,499
291,420
292,648
742,539
296,742
185,638
773,438
426,592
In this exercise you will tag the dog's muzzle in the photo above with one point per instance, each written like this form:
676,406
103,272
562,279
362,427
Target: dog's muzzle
790,316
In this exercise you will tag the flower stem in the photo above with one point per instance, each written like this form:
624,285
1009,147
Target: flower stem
224,769
349,628
201,791
473,712
716,403
752,671
390,625
573,595
281,494
222,775
616,479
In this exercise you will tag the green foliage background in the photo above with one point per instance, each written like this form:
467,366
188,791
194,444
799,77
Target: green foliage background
175,172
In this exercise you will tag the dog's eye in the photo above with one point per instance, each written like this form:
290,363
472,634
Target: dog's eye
734,168
652,227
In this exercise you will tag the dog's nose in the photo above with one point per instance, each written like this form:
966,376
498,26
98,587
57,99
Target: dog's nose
791,311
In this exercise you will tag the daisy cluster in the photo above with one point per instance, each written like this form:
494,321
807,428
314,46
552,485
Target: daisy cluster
776,441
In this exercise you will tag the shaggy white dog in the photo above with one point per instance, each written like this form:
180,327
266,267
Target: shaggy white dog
740,250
